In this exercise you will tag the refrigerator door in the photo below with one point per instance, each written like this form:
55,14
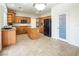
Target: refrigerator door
47,27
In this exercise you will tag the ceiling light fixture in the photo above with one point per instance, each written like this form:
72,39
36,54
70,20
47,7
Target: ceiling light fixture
39,6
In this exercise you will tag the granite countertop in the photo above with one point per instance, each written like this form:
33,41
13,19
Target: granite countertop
8,29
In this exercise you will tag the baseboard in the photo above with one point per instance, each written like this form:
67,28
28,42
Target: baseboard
73,44
67,40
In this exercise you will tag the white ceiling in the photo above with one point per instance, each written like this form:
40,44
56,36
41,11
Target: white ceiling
28,8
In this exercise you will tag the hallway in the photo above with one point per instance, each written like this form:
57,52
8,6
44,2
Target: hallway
42,47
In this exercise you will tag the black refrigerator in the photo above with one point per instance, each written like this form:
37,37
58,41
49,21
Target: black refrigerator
47,27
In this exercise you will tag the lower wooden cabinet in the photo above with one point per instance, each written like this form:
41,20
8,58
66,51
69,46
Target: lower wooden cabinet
21,29
0,41
41,29
8,37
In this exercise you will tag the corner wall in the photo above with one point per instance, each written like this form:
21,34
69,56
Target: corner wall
72,22
3,21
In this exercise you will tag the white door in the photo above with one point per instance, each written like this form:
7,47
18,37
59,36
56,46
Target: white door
62,26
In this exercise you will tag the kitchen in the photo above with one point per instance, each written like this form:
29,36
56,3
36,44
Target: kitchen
18,22
29,29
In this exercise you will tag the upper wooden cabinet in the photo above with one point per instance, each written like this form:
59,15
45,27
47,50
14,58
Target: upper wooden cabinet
20,18
11,16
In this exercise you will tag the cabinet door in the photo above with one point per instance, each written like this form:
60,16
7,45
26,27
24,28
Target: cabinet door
0,41
10,18
28,19
19,30
41,25
22,30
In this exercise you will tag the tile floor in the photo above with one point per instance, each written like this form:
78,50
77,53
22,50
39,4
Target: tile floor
43,46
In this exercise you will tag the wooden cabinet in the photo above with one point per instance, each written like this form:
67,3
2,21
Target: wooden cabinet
8,37
19,18
41,29
11,16
33,33
21,29
0,41
41,23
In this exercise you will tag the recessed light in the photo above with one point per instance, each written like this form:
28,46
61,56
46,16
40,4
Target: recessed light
12,5
20,8
37,12
23,3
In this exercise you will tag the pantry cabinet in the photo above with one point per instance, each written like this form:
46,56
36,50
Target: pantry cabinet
41,23
11,16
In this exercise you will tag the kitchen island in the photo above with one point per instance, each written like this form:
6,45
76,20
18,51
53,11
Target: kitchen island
33,33
21,28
